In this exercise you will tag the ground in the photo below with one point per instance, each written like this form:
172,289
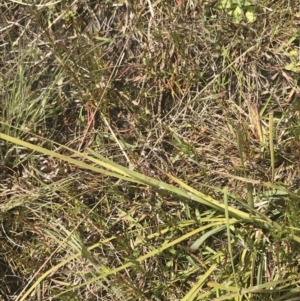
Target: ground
149,150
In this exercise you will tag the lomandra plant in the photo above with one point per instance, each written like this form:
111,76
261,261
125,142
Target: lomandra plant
222,217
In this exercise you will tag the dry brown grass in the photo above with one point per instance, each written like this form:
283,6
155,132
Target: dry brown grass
168,85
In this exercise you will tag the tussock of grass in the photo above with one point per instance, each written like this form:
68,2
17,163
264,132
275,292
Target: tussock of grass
149,151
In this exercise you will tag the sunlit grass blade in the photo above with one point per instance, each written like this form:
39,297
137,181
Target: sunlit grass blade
271,146
190,296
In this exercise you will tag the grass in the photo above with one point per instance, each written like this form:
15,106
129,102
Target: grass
149,151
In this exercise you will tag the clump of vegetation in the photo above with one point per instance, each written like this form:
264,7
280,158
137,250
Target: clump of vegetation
149,150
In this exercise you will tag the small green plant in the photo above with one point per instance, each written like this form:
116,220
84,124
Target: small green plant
294,65
239,9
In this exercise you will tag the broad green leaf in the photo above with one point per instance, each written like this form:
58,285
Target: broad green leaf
250,16
293,66
237,15
196,244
